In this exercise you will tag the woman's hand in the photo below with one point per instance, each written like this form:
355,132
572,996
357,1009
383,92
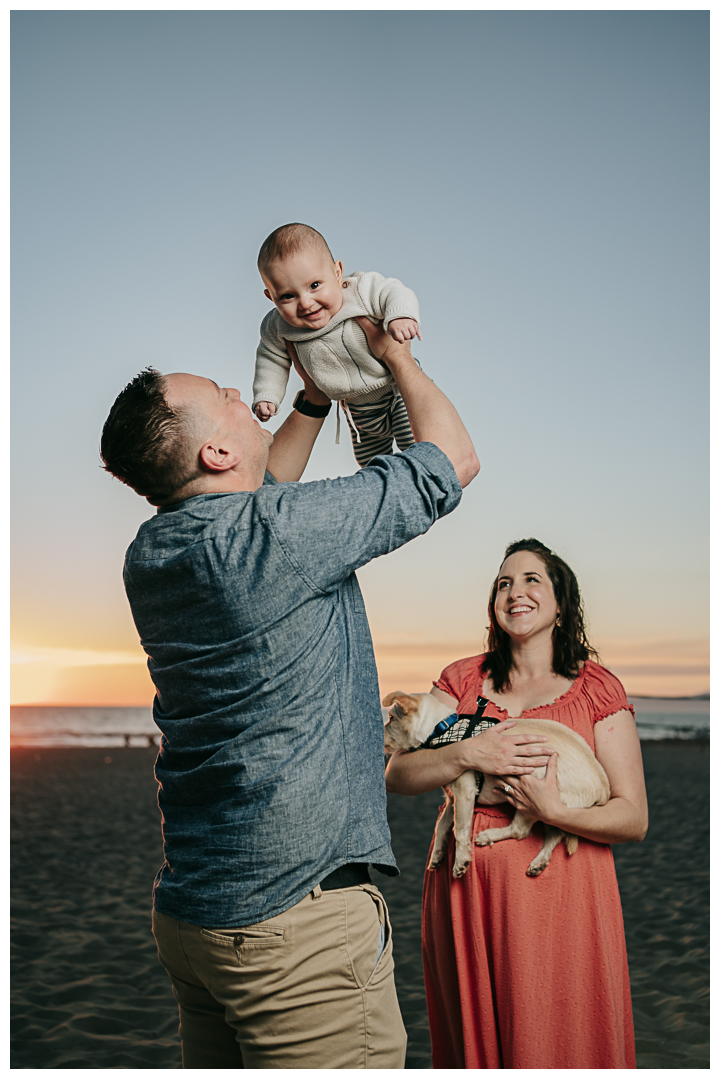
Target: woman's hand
536,798
498,752
624,817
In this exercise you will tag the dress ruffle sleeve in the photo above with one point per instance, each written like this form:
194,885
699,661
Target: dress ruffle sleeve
604,691
461,677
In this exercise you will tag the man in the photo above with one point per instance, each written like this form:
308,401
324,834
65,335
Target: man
270,770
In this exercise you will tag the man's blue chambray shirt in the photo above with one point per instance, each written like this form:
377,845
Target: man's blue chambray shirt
270,769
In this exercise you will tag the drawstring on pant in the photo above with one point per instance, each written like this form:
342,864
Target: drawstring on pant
350,421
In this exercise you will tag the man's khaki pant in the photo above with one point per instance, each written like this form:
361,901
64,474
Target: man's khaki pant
305,990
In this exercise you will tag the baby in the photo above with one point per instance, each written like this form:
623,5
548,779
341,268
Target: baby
316,308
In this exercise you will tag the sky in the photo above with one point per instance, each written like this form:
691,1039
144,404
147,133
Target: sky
538,178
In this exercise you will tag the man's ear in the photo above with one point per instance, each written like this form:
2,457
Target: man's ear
215,459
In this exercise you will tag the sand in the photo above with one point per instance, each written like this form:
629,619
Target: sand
88,991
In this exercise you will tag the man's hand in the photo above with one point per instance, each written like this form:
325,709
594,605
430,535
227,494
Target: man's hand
264,410
312,394
379,342
404,329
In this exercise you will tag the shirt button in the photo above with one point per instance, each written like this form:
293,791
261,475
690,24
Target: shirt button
239,939
345,284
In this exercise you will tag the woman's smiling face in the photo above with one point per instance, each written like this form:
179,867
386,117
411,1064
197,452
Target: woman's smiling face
525,603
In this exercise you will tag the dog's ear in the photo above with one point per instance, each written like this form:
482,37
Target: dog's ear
390,698
396,711
401,705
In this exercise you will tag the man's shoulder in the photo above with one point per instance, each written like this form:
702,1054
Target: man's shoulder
178,527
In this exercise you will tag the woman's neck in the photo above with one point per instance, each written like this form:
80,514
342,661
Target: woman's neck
533,682
531,659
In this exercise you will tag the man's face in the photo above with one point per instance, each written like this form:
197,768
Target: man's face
219,415
306,288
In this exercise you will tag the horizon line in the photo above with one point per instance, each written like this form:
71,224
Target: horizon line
705,696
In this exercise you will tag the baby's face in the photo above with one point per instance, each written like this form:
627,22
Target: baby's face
306,288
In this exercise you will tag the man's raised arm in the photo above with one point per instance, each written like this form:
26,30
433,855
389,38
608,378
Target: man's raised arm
433,418
294,440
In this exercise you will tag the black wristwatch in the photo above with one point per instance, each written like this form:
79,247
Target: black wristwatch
308,409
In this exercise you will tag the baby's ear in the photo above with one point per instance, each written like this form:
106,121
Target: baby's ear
267,294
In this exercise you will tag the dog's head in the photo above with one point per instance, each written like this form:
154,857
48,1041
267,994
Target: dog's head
411,718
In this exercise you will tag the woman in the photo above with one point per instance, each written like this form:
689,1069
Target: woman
520,972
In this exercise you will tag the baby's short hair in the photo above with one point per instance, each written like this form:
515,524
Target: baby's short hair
288,240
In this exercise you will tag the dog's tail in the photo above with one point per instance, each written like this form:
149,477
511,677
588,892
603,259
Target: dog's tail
571,843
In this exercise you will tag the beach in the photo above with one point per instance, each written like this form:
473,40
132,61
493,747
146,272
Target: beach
88,991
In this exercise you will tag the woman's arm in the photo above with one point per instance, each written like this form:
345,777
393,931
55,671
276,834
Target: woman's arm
497,751
623,818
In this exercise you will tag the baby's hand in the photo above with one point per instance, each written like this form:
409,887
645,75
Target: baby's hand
404,330
264,410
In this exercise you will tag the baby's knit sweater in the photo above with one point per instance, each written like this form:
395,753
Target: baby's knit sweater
337,356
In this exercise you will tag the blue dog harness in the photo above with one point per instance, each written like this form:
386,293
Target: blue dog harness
459,726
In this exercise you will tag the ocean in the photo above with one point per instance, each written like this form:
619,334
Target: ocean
69,725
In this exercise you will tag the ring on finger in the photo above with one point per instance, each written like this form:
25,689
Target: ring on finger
507,787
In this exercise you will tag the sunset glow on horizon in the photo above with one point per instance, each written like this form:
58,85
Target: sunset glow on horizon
661,668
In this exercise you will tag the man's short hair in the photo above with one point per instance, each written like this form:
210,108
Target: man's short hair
288,240
147,444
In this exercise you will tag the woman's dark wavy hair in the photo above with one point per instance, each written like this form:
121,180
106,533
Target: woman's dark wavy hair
570,644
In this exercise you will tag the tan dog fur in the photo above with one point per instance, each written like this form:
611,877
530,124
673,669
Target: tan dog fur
581,781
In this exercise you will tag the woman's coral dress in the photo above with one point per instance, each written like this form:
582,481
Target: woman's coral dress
520,972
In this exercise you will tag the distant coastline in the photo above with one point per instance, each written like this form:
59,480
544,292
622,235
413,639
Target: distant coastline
672,697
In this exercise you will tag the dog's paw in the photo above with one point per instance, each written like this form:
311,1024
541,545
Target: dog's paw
463,858
482,841
435,861
533,871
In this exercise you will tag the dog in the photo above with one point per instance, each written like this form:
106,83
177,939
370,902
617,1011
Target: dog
412,719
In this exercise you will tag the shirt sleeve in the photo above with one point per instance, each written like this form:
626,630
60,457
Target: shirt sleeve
329,528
